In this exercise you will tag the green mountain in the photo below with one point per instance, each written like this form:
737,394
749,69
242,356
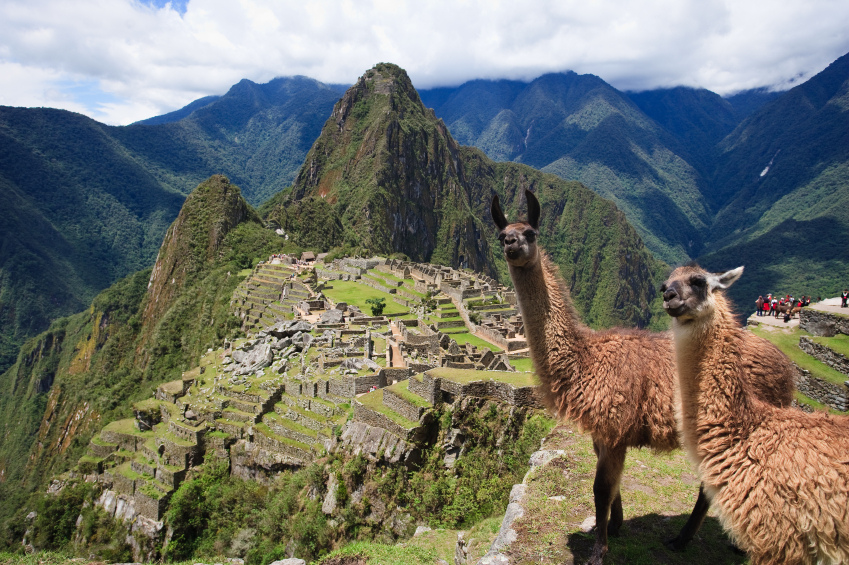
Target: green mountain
86,369
581,128
387,176
781,188
85,204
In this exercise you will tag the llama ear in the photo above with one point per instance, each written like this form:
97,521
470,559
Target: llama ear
533,209
497,215
726,279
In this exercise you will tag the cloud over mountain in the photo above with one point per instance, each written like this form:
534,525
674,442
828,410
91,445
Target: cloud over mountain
123,60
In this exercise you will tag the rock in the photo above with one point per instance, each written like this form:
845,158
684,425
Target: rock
588,524
517,493
329,504
342,306
557,498
539,458
32,515
494,559
190,415
331,317
507,535
291,561
420,530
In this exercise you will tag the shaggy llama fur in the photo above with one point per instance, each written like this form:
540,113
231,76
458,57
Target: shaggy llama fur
778,477
618,384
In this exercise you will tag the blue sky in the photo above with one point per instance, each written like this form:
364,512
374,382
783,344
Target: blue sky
119,61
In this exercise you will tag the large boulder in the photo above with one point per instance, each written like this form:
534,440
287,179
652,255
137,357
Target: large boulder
331,317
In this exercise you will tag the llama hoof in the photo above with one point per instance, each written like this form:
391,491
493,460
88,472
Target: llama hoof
676,544
597,557
613,531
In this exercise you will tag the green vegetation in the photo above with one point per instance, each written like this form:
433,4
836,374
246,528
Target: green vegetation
787,340
374,401
376,305
358,295
87,370
464,338
525,365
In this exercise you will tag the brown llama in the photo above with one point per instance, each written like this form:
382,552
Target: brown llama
778,477
618,384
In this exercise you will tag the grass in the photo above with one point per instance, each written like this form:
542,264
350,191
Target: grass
266,431
470,375
787,340
838,343
402,389
381,554
464,338
374,401
524,365
356,294
126,426
658,492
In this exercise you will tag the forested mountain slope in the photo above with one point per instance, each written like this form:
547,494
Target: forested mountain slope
387,175
85,204
86,369
581,128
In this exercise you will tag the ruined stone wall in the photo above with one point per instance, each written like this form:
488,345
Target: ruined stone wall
389,374
364,384
378,420
836,361
150,507
824,324
400,406
277,446
833,395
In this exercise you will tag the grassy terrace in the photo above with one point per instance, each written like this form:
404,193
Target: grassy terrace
464,338
374,401
357,294
126,426
524,365
266,431
787,340
465,376
402,389
287,423
838,343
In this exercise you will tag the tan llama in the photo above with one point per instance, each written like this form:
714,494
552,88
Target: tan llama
778,477
617,384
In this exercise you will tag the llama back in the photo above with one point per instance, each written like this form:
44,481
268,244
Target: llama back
784,490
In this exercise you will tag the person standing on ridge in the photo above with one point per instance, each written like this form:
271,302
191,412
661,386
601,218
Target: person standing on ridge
760,304
844,298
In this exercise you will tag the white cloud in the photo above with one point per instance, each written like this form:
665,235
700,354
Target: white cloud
146,60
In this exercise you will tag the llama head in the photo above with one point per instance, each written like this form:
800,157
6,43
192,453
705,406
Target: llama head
518,240
688,293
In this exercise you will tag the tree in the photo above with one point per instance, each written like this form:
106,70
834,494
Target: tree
377,305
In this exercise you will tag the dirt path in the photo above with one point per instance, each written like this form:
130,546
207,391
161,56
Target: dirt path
397,359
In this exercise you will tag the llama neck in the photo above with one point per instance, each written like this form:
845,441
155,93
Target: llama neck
551,325
714,401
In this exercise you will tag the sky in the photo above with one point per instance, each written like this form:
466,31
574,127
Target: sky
119,61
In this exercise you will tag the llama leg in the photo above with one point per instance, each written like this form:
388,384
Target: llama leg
616,515
611,462
694,522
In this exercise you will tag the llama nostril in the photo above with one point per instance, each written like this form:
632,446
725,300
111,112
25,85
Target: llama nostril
669,295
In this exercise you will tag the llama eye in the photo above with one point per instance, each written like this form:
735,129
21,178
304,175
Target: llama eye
530,236
698,281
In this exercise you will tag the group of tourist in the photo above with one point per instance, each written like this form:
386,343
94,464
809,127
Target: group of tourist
773,305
